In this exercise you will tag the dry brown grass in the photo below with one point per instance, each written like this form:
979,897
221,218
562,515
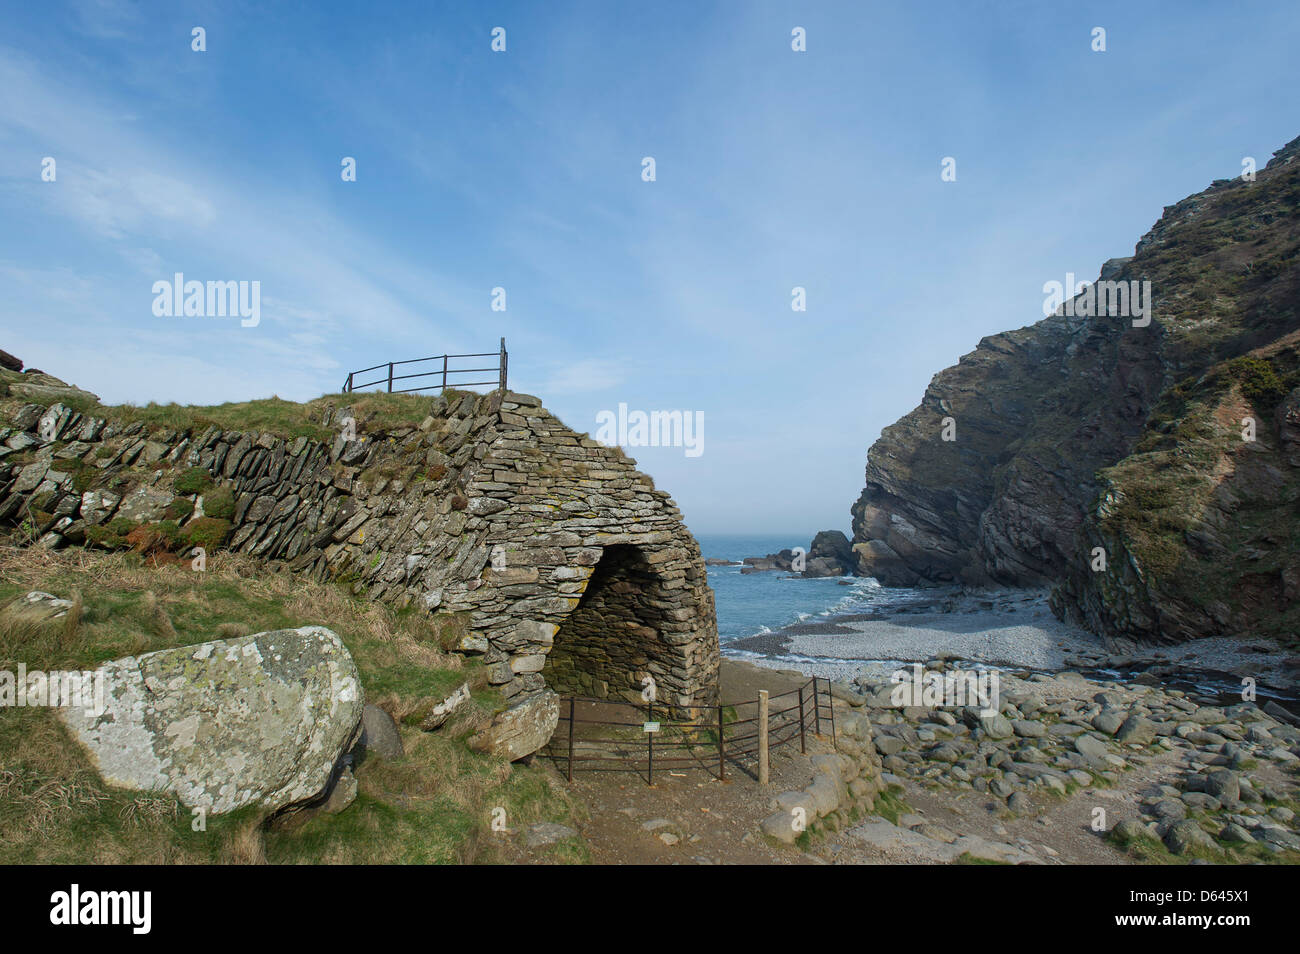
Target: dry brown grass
245,844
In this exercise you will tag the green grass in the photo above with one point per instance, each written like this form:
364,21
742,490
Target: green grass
890,805
432,805
373,411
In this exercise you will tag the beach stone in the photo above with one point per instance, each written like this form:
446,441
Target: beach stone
986,850
1200,801
996,726
882,835
257,720
1091,747
1136,731
781,827
1223,785
945,752
1234,832
846,692
1029,729
1128,829
547,833
1169,809
1108,721
1185,835
889,744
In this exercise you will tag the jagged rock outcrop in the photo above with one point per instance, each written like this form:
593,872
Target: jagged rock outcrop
259,720
1092,430
540,549
831,554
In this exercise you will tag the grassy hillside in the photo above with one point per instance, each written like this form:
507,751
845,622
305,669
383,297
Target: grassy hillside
433,805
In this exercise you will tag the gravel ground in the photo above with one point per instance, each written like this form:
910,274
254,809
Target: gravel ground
1015,632
1006,629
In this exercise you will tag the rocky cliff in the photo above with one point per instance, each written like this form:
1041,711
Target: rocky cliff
1107,454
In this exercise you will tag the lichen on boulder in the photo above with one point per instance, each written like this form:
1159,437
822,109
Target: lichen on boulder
258,720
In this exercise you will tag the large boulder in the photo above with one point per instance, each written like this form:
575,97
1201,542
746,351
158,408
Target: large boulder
261,719
831,554
522,729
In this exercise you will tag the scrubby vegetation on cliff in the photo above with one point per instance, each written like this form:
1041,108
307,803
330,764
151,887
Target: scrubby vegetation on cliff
1079,433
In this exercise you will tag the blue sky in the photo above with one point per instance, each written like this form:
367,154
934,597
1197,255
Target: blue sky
522,170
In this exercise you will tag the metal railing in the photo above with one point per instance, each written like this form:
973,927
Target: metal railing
646,739
443,376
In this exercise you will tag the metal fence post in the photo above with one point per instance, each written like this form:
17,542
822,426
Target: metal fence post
390,377
444,372
347,388
505,357
817,707
830,704
650,746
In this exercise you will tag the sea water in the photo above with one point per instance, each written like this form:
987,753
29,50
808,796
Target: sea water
749,604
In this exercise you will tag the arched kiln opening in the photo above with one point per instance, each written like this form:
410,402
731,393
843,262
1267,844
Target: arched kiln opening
613,638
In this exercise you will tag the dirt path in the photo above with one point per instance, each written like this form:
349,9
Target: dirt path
691,817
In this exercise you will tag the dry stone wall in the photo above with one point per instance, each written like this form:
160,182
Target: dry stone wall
490,514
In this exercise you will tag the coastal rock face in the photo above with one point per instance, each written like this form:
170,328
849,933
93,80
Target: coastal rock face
258,720
831,554
1112,458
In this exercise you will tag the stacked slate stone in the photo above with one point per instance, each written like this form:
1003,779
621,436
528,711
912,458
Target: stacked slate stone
491,514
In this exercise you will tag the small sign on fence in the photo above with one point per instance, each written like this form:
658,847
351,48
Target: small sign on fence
650,727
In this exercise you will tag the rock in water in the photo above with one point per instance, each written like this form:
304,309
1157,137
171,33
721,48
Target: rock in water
260,719
831,554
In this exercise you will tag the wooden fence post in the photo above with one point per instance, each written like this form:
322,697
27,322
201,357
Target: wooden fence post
803,742
762,737
722,748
